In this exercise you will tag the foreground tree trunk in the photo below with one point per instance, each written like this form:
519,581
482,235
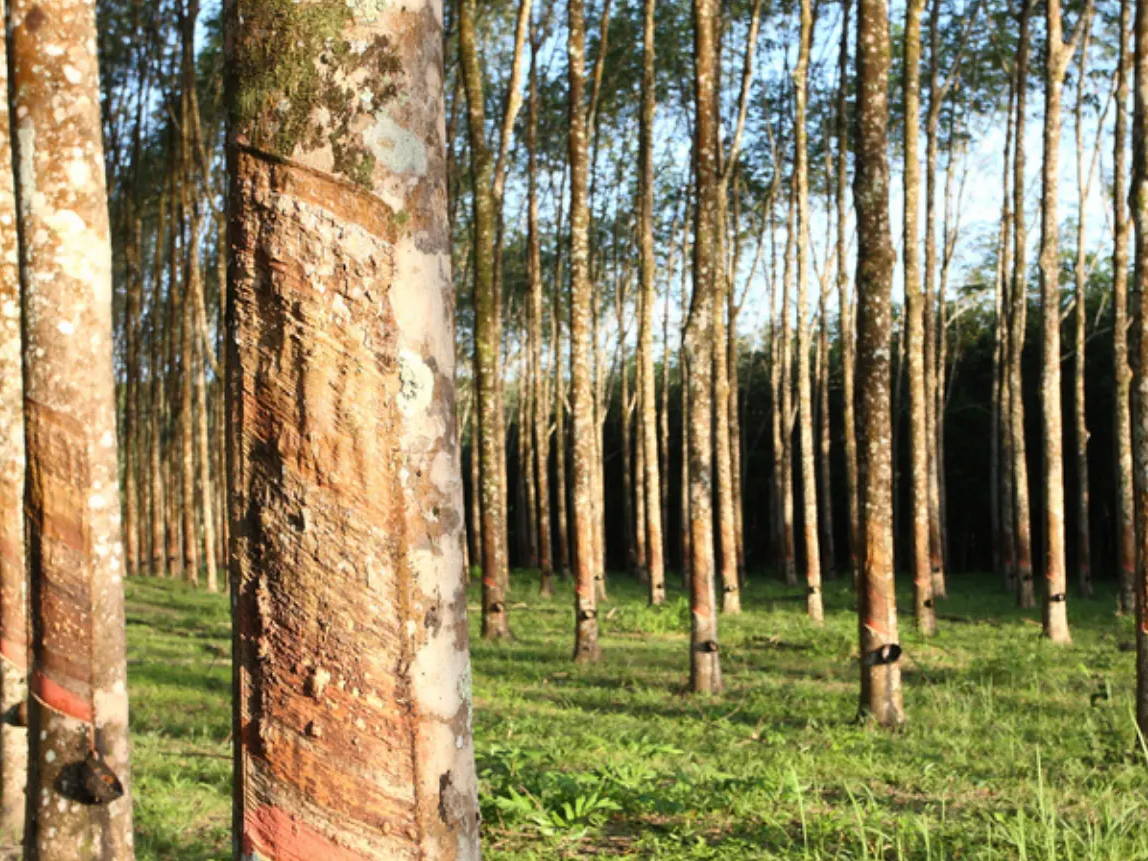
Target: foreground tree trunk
880,670
78,712
705,667
587,558
352,703
915,310
13,576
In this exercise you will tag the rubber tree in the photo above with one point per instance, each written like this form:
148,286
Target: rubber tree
78,804
351,670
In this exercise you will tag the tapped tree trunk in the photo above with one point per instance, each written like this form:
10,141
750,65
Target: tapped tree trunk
78,709
880,671
345,485
1122,371
705,666
813,602
587,555
919,450
647,397
13,574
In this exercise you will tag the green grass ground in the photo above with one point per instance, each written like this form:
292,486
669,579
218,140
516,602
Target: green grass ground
1014,749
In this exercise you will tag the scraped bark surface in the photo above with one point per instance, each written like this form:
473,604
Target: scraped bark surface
352,676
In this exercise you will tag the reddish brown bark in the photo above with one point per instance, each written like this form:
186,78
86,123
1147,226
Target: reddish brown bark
352,694
13,576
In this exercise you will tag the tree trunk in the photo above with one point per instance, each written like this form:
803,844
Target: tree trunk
541,414
705,666
844,308
785,401
1080,276
13,574
1138,202
587,555
1022,524
78,712
1122,371
647,397
346,494
1055,595
814,606
487,342
880,670
919,450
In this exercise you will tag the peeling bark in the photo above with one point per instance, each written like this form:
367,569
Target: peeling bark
352,678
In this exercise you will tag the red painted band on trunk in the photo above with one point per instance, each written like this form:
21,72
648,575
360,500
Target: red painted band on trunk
277,835
60,699
15,653
488,582
877,629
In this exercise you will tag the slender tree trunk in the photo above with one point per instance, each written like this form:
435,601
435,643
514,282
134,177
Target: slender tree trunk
814,606
13,574
880,669
1003,537
824,438
915,310
78,712
487,342
844,308
1026,594
587,555
1055,580
647,409
705,666
1138,202
785,392
1080,421
1122,371
346,494
541,417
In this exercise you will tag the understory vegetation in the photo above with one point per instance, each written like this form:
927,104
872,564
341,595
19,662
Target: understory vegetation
1015,747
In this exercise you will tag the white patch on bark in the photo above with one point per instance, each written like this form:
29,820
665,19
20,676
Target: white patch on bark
395,147
416,383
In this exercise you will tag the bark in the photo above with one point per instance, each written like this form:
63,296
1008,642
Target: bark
1003,535
1080,277
844,309
814,606
824,430
487,341
13,575
919,449
785,400
1026,594
1055,603
587,555
647,403
352,695
705,666
1122,371
78,709
880,670
541,413
1138,202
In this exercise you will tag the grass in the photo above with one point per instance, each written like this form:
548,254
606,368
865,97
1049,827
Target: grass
1015,748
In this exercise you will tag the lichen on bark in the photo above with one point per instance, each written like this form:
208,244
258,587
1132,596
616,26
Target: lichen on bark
301,81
